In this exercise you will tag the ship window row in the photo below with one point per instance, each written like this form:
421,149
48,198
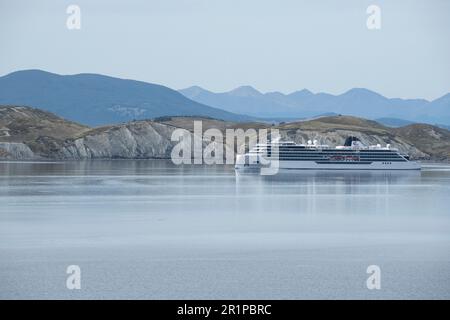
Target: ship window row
395,156
333,153
322,159
330,155
321,155
323,150
327,151
311,155
341,161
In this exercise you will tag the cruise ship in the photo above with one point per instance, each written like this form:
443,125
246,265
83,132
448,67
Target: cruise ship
353,155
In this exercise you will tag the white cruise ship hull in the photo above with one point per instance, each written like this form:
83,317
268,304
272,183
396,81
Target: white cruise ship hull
409,165
313,165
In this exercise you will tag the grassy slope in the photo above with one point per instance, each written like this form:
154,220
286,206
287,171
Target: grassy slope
40,130
430,139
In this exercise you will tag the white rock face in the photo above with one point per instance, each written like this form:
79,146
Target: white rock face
15,150
135,140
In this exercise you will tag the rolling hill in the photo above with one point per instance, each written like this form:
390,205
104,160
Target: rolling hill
29,133
94,99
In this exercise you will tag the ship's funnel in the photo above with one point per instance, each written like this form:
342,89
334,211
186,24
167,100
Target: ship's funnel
349,140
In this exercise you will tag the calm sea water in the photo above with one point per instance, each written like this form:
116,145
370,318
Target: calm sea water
150,229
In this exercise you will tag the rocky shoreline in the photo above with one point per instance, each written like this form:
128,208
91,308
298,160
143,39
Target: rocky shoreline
32,134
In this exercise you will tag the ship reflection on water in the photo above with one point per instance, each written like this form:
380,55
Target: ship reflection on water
337,192
345,176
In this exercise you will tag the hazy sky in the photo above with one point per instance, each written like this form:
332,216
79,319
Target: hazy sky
277,45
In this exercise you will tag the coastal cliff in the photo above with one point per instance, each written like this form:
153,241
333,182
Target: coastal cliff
134,140
29,133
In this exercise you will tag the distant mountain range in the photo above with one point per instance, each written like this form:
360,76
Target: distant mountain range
303,104
94,99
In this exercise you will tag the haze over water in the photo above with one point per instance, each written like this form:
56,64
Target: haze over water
150,229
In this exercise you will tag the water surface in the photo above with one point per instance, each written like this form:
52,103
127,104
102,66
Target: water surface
150,229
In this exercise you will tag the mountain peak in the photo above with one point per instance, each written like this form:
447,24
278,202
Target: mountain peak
445,97
300,93
31,73
193,91
245,91
361,92
197,88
